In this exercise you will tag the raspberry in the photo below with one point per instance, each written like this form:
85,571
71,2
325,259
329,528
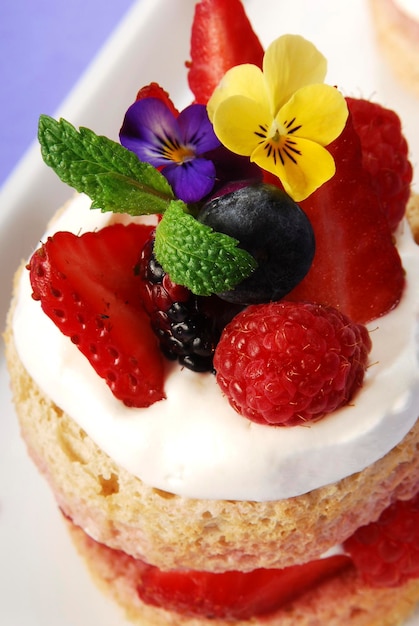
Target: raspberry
386,552
287,363
188,326
384,155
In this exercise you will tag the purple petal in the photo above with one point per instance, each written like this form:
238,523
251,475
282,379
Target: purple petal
196,130
147,125
191,181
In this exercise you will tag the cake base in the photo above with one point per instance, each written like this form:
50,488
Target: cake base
128,520
172,532
341,601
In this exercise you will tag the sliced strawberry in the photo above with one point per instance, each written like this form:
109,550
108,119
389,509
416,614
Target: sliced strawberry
234,595
88,286
154,90
221,38
356,268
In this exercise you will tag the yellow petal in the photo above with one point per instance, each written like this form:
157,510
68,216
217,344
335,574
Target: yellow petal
242,80
239,123
301,174
291,62
317,112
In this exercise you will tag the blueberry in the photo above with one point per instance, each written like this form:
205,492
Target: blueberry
271,227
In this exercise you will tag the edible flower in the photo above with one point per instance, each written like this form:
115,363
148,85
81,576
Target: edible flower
282,116
177,145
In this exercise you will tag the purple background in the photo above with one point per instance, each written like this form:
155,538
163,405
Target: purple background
45,45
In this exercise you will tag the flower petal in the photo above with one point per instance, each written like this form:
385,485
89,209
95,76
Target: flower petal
191,181
147,125
230,167
291,62
196,130
300,174
239,123
243,80
317,112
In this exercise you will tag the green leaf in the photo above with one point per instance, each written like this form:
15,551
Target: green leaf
112,176
196,256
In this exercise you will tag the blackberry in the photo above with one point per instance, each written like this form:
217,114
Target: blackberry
184,323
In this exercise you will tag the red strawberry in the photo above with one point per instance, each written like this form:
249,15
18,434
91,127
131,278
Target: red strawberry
288,363
234,595
88,286
221,38
386,552
384,155
153,90
356,267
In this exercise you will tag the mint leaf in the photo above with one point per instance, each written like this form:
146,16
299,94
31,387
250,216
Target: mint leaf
196,256
112,176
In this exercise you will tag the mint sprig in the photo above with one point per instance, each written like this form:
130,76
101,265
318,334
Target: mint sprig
111,175
196,256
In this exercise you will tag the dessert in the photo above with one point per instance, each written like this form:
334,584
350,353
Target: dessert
188,510
397,26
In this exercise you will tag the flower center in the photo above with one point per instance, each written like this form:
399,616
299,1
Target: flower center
174,151
278,142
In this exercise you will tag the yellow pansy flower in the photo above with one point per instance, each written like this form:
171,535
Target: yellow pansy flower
283,116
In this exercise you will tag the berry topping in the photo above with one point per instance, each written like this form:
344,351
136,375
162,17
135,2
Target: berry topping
221,37
384,155
289,363
87,285
386,552
188,326
356,268
234,595
273,229
223,244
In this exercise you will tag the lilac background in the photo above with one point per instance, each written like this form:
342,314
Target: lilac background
45,45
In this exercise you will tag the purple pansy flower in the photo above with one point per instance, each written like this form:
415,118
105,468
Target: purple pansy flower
176,145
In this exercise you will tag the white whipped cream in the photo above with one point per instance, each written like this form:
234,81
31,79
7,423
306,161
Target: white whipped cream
193,443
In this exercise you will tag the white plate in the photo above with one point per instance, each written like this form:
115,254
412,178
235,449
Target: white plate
42,581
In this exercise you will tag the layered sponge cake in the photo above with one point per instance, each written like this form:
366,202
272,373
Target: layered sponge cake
213,353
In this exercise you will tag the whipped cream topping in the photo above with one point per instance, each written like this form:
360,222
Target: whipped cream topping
193,443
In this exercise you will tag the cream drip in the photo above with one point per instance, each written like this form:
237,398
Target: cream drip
193,443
